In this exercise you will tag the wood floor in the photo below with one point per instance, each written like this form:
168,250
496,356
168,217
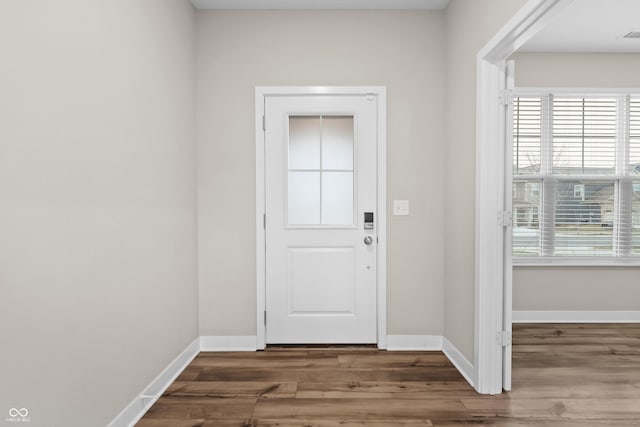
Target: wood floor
564,375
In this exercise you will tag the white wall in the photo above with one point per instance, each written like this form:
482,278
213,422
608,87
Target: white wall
469,26
576,288
97,190
237,51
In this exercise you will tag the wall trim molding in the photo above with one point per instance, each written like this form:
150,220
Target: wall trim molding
139,406
575,316
459,361
228,343
414,342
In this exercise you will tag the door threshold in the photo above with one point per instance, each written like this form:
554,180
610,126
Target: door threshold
341,347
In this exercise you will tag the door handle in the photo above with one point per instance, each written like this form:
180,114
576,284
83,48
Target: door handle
368,240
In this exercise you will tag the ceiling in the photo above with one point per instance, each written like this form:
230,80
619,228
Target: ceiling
590,26
320,4
583,26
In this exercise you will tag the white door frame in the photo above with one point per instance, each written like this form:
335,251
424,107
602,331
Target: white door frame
491,176
381,222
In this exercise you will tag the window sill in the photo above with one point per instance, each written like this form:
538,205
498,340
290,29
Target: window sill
575,262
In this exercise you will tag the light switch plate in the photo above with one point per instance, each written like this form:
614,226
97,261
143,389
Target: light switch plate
401,207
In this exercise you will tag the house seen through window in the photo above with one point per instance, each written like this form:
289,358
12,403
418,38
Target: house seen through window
576,177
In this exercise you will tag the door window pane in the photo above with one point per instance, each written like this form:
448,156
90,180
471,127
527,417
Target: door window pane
337,197
337,143
304,142
320,170
304,198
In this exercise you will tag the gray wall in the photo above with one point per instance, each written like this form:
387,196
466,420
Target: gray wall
237,51
469,26
98,286
600,70
100,242
576,288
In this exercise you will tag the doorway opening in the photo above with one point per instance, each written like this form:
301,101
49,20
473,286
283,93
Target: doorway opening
493,310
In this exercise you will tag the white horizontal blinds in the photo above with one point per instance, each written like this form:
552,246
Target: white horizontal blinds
584,142
634,135
526,217
584,135
527,134
576,188
624,217
635,218
584,217
548,217
634,171
527,137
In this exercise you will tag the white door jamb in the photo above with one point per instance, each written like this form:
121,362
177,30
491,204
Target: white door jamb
490,184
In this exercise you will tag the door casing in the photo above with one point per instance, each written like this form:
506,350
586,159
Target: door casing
492,306
261,93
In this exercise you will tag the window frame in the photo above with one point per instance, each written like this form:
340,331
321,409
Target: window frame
546,173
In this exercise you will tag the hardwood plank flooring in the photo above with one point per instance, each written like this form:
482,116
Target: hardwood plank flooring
563,375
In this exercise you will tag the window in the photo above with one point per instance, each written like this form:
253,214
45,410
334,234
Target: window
576,177
578,191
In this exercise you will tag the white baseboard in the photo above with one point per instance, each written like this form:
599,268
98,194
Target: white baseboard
229,343
522,316
459,361
414,342
141,404
433,343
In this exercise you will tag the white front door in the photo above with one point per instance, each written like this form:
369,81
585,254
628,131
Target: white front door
321,230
